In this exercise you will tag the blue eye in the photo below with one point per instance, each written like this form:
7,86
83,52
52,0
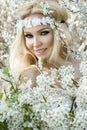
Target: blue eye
28,35
44,33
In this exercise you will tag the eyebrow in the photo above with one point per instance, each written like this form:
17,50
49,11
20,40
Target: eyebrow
26,31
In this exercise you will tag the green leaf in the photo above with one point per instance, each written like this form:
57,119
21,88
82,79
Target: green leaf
1,95
3,126
44,98
72,115
52,86
28,128
6,72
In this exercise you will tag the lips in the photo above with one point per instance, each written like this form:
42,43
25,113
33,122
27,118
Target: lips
40,51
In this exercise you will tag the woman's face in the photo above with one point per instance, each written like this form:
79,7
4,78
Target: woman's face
39,39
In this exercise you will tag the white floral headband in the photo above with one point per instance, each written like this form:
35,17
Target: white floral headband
28,23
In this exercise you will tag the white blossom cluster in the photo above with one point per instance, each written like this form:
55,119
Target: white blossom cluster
77,24
46,106
67,76
83,67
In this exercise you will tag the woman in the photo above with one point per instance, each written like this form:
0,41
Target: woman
42,37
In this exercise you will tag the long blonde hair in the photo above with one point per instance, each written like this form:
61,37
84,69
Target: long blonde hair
20,57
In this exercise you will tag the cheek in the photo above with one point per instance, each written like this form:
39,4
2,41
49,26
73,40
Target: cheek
28,43
49,41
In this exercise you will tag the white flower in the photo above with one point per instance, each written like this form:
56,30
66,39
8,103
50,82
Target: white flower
83,67
44,80
81,97
80,120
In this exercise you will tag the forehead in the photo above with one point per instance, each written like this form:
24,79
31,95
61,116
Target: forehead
37,28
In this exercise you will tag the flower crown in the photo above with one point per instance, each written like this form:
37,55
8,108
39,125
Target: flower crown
28,23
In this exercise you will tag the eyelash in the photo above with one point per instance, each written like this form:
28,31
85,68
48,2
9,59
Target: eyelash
42,34
28,36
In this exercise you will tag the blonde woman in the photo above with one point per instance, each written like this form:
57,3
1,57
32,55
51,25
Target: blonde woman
42,36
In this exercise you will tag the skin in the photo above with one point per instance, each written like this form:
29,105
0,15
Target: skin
39,39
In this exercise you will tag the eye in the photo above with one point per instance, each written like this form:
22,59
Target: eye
44,33
28,35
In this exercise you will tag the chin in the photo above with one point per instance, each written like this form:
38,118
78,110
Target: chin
42,57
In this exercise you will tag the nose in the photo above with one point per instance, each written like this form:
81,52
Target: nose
36,42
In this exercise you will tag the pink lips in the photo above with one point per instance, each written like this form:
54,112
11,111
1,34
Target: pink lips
40,51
